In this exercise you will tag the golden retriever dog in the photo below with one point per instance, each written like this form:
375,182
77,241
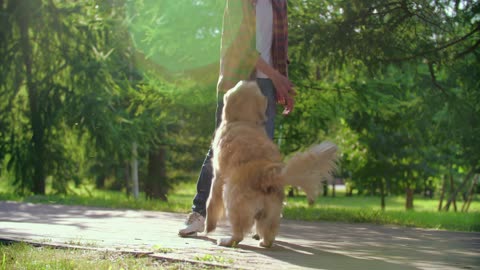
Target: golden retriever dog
249,172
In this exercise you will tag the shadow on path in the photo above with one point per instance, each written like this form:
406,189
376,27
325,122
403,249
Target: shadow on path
299,245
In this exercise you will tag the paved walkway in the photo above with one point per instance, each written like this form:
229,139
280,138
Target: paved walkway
300,245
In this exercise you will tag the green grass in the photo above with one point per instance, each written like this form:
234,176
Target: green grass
26,257
365,209
109,199
213,258
455,221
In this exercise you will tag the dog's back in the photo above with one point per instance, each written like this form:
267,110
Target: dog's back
240,148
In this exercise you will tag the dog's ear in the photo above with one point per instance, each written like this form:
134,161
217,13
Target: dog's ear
229,106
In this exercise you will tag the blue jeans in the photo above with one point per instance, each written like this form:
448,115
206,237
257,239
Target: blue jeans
206,173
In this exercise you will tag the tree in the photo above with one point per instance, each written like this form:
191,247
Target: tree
388,62
59,80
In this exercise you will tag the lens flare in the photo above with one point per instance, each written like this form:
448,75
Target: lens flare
176,36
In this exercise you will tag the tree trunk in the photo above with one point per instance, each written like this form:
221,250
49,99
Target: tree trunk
455,192
128,182
38,132
382,195
442,193
349,190
425,188
409,199
325,188
156,186
471,192
452,187
134,166
333,187
100,180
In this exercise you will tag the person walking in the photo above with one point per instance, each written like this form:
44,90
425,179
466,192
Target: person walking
254,46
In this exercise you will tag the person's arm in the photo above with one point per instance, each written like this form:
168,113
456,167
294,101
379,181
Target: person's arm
283,86
238,49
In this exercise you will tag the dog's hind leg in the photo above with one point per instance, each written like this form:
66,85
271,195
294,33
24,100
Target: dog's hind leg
241,224
267,223
241,216
267,229
214,204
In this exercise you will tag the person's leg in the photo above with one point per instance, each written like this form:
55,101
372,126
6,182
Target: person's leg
203,185
268,90
206,174
195,221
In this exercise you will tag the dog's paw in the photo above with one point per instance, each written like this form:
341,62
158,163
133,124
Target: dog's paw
266,244
227,242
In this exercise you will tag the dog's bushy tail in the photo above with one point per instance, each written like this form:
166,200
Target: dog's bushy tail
307,169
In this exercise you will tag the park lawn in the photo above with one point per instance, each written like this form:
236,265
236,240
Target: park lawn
367,209
24,256
430,219
364,209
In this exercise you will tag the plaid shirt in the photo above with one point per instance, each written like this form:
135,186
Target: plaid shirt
238,49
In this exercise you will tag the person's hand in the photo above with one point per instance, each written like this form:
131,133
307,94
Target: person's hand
285,92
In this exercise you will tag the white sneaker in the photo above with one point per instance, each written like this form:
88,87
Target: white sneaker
195,223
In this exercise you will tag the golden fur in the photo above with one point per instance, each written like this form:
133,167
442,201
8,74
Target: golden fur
249,174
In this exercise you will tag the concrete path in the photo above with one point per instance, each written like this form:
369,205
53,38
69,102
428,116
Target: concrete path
300,245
